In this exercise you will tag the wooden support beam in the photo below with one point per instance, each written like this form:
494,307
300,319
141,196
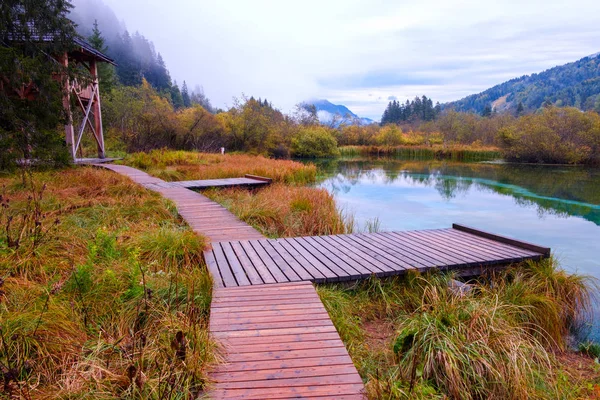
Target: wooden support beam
98,133
69,133
545,251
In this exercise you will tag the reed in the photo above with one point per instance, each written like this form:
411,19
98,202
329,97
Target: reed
282,211
421,152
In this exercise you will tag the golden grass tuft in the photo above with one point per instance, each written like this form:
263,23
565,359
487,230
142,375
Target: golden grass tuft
172,165
285,211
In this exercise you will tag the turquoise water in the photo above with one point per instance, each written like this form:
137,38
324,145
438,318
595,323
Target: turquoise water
557,207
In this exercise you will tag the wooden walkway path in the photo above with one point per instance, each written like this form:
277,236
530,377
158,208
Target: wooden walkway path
279,340
280,344
358,256
203,215
248,181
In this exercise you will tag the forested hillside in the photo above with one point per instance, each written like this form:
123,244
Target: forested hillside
575,84
135,55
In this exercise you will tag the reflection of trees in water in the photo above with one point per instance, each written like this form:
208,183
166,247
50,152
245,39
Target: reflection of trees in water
553,190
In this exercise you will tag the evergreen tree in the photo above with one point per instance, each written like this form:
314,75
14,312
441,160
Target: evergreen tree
419,109
106,72
520,109
176,97
185,95
487,111
158,75
31,97
129,68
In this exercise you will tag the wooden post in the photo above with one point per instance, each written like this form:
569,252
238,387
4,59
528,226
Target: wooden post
69,133
97,110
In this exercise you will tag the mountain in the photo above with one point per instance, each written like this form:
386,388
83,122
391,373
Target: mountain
575,84
327,112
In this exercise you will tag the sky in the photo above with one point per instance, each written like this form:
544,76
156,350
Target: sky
359,53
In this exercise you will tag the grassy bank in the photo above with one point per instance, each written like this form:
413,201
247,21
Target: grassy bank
435,152
103,292
172,165
414,337
281,210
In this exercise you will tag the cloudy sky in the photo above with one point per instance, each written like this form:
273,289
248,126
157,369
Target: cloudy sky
360,53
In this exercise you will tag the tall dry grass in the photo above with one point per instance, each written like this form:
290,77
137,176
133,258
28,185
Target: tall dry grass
414,337
113,302
283,211
172,165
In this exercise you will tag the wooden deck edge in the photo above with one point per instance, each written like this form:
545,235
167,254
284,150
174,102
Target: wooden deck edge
545,251
258,178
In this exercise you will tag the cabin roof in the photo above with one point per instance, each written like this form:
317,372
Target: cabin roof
88,51
83,50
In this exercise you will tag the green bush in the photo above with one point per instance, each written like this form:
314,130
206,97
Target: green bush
314,142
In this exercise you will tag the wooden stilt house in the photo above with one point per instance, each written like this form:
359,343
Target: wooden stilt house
87,96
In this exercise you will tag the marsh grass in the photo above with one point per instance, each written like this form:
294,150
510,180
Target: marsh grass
114,302
172,165
423,152
282,211
490,342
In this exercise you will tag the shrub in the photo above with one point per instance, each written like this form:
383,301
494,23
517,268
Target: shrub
314,142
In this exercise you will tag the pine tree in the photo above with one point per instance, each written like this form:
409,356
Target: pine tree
31,99
487,111
520,109
185,95
106,72
176,97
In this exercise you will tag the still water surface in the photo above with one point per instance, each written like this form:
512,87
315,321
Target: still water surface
554,206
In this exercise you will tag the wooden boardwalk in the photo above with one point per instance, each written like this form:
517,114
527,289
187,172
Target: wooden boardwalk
358,256
248,181
279,340
280,344
203,215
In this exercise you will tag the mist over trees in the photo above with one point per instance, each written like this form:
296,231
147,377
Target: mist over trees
135,55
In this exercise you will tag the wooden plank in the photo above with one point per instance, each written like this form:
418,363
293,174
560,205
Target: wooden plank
257,263
420,260
545,251
378,267
246,264
276,331
268,262
211,264
427,244
368,250
226,274
431,240
420,246
289,258
481,253
343,273
287,270
362,268
248,367
476,245
233,342
271,325
273,374
313,261
234,264
285,383
488,244
289,392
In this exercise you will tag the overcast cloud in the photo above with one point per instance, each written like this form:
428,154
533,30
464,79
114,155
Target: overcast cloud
360,53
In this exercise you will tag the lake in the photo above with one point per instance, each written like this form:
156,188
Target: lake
554,206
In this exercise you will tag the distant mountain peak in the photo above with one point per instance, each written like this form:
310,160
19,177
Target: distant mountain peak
327,111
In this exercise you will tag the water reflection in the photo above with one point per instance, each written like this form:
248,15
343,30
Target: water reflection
560,191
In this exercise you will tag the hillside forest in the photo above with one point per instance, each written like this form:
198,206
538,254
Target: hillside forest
144,109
